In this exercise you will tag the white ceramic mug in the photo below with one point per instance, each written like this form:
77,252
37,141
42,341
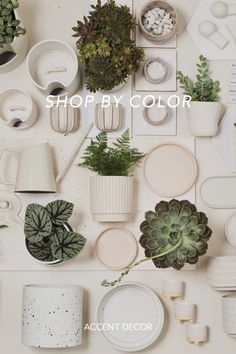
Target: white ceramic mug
173,289
35,173
52,316
185,311
197,333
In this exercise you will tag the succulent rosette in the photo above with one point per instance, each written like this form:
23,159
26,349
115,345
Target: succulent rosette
175,223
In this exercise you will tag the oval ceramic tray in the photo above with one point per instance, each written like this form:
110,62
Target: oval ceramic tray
230,230
116,248
131,303
170,170
219,192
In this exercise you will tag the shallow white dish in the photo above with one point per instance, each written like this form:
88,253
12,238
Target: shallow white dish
116,248
219,192
126,304
170,170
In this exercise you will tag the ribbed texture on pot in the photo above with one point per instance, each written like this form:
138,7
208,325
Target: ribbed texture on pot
111,194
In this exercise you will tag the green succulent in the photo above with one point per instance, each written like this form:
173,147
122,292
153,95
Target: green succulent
48,235
172,235
106,46
9,25
204,89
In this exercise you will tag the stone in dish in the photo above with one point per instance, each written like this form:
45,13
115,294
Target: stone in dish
155,70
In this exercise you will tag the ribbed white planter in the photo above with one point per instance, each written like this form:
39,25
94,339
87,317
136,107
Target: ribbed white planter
204,118
111,198
229,314
19,47
52,316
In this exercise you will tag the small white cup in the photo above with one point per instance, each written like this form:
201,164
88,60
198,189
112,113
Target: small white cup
185,311
197,333
173,289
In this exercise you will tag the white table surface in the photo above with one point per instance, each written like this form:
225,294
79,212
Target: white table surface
54,19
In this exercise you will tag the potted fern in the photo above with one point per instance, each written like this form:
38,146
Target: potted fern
205,110
106,46
111,191
13,38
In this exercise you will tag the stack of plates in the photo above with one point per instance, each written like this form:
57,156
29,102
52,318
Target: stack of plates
221,273
229,314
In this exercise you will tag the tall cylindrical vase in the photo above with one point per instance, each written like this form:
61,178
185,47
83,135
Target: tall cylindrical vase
52,316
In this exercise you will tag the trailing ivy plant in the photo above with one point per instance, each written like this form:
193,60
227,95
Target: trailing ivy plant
106,46
9,25
49,237
116,160
204,89
172,235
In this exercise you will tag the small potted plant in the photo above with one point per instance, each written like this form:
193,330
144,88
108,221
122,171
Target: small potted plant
106,46
13,38
49,237
172,235
111,191
205,110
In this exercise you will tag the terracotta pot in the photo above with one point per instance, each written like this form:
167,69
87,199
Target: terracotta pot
204,118
111,198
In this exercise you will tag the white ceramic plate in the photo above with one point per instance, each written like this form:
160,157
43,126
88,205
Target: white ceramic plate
170,170
219,192
116,248
230,230
131,303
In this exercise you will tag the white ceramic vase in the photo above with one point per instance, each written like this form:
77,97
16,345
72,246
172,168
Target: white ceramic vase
18,49
52,316
109,119
229,314
64,119
111,198
221,273
204,118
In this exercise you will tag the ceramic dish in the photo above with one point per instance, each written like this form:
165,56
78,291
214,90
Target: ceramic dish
230,230
126,304
155,115
53,67
219,192
17,109
159,71
116,248
170,170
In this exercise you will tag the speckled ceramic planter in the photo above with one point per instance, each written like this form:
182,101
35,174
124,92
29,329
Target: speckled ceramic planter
52,316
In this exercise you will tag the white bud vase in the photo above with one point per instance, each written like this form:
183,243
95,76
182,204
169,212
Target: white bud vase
52,316
204,118
111,198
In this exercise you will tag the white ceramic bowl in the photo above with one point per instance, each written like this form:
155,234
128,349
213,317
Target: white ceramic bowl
53,67
221,272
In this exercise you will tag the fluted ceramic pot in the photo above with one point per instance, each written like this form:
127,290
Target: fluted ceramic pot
52,316
111,198
229,314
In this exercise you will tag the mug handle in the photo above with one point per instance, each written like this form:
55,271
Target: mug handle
3,179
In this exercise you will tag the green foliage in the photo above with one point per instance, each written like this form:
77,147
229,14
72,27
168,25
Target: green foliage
204,89
3,226
46,231
9,25
173,235
106,46
111,161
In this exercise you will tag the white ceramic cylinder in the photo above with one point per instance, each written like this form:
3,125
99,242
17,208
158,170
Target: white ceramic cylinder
64,119
185,311
173,289
109,119
197,333
229,314
221,273
19,47
111,198
52,316
204,118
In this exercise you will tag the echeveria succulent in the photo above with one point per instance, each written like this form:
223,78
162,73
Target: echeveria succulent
172,235
48,235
